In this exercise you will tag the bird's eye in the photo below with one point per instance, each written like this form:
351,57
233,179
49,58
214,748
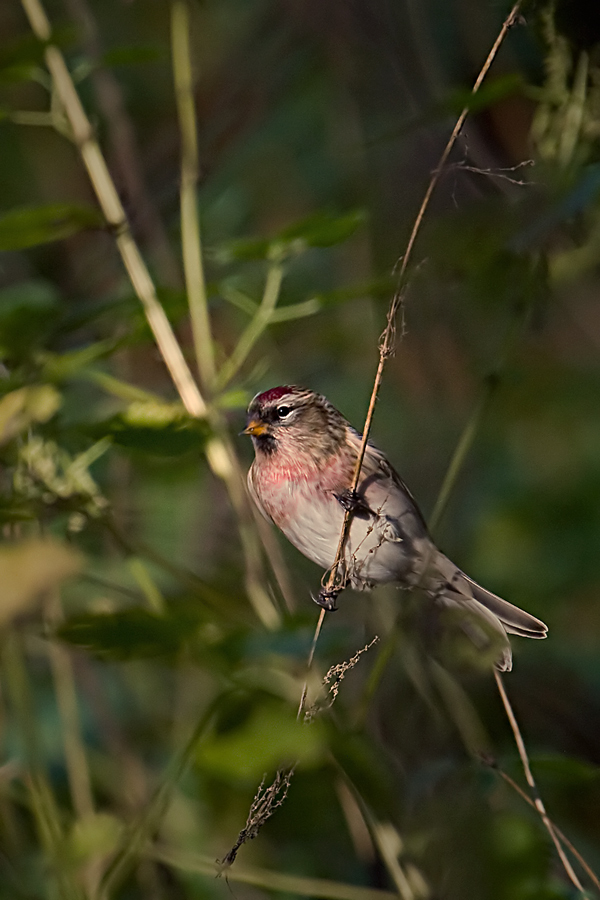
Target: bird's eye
283,411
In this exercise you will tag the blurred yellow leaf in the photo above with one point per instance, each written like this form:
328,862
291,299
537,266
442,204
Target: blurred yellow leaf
26,405
94,836
30,567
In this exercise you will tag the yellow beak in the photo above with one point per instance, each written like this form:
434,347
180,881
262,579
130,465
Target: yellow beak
255,427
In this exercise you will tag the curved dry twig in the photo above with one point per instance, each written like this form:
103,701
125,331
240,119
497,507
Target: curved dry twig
334,580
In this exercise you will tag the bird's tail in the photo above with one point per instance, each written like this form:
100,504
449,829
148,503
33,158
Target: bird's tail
502,618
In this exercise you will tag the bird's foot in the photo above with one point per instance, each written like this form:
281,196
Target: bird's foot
352,502
326,599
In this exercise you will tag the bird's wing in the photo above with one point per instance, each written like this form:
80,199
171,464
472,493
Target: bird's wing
377,469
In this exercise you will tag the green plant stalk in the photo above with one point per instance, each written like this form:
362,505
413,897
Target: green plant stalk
473,423
78,774
380,835
271,881
133,842
462,450
43,802
66,697
190,223
574,112
260,321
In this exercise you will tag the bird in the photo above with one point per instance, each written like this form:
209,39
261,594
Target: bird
305,453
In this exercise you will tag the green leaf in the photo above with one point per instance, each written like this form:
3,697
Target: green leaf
324,229
169,441
155,428
268,738
29,226
319,230
20,408
28,313
565,770
18,72
488,94
130,634
58,367
379,287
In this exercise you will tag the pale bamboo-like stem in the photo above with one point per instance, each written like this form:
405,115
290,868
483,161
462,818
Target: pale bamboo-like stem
537,800
191,240
114,213
219,451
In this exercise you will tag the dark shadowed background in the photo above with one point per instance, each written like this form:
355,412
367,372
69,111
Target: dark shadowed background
124,608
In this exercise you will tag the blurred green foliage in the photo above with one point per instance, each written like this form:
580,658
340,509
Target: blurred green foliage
142,698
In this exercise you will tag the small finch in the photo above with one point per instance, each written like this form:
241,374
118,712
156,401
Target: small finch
305,454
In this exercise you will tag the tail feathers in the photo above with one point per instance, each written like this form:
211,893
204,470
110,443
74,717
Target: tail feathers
481,626
515,620
498,615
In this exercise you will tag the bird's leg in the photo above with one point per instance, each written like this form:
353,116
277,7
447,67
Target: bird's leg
326,599
352,502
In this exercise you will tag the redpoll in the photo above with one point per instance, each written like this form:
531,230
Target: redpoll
305,454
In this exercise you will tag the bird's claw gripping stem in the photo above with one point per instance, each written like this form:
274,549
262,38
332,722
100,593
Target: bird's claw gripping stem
352,502
326,599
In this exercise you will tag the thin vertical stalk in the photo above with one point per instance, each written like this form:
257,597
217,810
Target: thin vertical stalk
537,800
465,442
137,835
190,223
43,802
78,775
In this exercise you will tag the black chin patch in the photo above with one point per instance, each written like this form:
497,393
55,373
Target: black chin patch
266,443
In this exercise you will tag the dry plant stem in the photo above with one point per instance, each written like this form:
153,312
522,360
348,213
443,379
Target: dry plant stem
332,581
386,347
537,800
114,213
559,833
190,167
309,663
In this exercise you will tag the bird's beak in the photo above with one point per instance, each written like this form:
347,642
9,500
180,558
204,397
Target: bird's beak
255,428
